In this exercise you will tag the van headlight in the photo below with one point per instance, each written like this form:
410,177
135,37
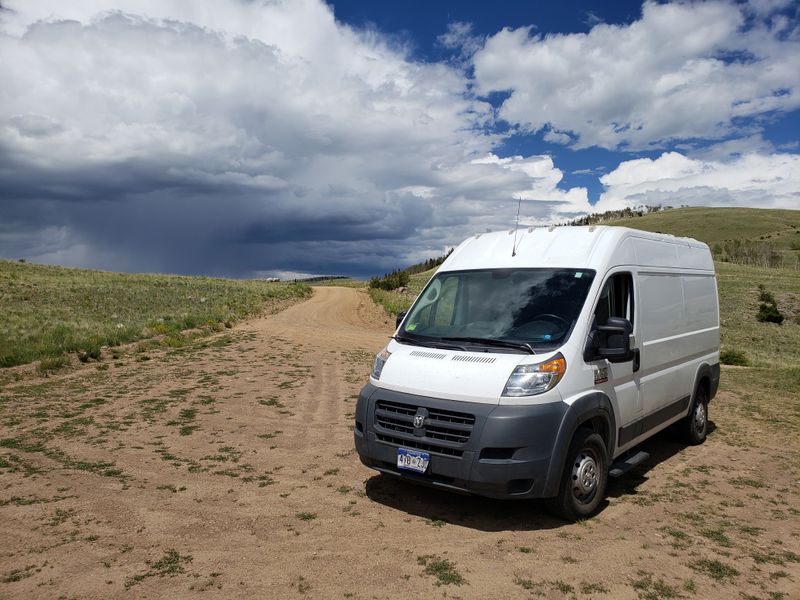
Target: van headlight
380,361
529,380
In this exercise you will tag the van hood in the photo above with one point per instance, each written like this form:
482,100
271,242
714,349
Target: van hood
450,374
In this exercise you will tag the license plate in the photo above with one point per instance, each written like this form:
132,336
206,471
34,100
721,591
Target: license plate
412,460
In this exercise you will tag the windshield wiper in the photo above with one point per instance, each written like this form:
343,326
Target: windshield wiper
493,342
428,342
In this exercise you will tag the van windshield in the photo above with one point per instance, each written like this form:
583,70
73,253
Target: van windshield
525,308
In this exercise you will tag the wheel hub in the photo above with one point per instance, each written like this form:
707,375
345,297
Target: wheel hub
584,475
700,416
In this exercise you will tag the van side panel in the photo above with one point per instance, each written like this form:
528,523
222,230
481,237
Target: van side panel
679,327
664,347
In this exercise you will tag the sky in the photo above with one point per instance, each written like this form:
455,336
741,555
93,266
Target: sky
253,138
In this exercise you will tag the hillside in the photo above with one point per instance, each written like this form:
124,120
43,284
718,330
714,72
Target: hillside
717,225
48,311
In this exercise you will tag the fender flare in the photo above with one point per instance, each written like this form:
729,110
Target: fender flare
594,404
710,372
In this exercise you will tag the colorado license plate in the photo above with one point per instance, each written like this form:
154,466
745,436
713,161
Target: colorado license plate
412,460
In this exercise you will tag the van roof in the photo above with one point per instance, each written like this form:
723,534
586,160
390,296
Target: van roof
586,247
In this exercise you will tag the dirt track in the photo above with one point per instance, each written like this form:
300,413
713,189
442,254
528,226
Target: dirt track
226,467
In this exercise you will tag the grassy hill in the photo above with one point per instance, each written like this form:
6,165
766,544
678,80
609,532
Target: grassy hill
47,312
718,225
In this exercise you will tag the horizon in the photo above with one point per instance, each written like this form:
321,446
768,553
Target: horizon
306,277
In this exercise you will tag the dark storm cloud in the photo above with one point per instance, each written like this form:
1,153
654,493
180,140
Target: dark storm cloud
168,142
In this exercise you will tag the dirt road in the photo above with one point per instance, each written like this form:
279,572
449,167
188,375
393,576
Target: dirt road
224,468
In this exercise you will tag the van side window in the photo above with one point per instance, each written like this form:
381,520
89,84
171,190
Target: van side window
439,310
616,299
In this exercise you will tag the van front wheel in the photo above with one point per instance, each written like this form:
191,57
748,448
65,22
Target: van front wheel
583,482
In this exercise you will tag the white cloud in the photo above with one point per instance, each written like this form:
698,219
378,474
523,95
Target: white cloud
459,36
754,180
543,180
247,136
557,137
682,71
723,151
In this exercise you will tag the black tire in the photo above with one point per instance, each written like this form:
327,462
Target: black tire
694,428
583,482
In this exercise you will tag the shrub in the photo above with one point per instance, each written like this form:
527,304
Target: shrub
749,252
764,295
733,357
390,281
768,310
769,313
89,351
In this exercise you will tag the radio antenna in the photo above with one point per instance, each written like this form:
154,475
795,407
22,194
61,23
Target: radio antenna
516,226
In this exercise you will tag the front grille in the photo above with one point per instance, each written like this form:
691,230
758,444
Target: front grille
445,431
406,443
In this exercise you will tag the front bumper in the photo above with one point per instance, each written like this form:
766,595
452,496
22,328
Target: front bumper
506,453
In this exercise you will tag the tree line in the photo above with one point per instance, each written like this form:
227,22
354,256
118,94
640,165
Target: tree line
400,277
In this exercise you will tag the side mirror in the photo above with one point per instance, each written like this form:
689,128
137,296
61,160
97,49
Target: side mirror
400,316
611,341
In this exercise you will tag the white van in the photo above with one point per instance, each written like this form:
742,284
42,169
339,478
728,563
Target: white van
533,362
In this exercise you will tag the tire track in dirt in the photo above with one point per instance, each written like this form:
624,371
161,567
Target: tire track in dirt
323,331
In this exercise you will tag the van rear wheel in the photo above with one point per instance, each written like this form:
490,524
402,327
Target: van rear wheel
583,482
695,425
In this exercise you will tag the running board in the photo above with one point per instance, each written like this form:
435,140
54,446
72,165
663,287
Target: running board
621,467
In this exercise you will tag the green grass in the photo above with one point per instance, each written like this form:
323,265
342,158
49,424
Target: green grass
714,569
47,365
441,568
46,312
764,344
19,574
169,565
649,588
345,282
